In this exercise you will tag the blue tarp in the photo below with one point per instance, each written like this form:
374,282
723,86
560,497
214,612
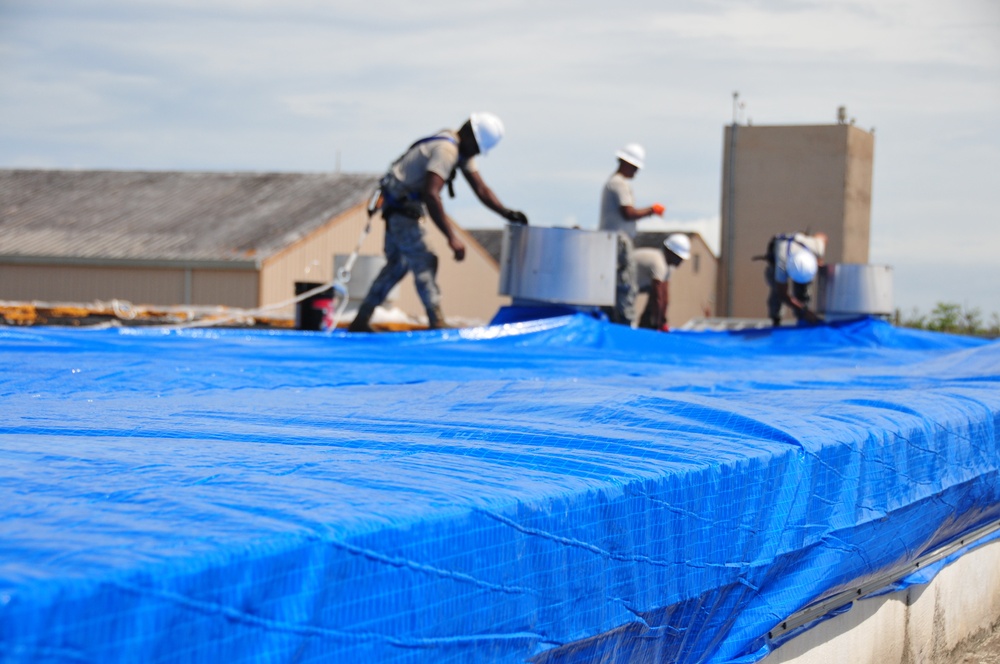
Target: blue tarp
559,491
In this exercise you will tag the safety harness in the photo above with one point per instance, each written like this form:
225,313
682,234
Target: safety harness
771,254
409,203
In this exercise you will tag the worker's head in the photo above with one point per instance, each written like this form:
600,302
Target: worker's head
631,158
480,133
801,266
677,248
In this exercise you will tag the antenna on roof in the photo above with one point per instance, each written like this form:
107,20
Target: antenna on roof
738,107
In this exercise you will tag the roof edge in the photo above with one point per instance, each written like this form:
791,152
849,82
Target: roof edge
164,263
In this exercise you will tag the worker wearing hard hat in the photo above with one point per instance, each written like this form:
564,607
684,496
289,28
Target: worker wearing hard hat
619,215
793,257
654,268
411,188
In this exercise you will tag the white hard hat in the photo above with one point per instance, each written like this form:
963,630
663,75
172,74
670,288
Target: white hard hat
634,154
680,244
488,130
801,266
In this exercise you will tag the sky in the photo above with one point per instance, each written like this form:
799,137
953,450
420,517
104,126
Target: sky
319,86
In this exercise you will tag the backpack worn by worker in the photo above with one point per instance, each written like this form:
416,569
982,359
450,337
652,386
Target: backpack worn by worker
770,255
396,199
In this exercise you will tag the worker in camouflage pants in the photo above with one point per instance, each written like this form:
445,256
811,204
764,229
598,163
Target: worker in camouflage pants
406,250
412,188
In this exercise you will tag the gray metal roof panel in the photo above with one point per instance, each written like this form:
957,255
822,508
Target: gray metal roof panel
167,215
490,239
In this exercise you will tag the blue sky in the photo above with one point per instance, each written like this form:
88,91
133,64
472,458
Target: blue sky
304,85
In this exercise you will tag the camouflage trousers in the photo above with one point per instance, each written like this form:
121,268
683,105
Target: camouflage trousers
775,294
405,250
624,312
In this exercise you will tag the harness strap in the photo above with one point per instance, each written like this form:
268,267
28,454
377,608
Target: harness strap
413,196
784,237
428,139
437,137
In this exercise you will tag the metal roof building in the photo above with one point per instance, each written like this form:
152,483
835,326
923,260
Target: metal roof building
185,238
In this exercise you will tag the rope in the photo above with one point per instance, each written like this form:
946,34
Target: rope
338,284
343,276
123,309
252,313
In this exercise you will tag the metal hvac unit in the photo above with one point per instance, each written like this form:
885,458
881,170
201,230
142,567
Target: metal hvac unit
558,266
853,290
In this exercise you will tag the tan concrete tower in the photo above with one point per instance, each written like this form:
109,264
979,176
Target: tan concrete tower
813,178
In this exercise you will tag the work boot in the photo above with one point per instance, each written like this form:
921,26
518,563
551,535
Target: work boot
361,321
435,319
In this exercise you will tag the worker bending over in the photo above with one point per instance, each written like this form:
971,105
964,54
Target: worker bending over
653,269
411,188
619,215
794,257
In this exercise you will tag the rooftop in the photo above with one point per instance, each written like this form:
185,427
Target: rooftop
144,215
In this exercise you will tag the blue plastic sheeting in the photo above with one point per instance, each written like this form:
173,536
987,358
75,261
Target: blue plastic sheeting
561,491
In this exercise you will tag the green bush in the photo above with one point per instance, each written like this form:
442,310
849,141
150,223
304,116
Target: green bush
952,318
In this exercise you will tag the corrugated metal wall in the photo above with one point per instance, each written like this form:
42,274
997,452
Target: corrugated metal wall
136,284
232,288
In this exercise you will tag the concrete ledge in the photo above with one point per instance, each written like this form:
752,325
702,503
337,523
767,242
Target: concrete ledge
934,623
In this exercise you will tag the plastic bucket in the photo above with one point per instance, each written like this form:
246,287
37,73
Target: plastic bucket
311,312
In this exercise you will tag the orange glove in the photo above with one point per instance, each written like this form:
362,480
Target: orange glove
659,209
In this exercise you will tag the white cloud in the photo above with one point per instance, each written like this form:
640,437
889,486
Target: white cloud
899,31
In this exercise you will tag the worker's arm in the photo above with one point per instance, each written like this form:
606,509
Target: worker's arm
490,200
665,304
798,306
435,208
634,214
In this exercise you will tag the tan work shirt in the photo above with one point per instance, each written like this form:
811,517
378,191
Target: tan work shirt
617,192
439,156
